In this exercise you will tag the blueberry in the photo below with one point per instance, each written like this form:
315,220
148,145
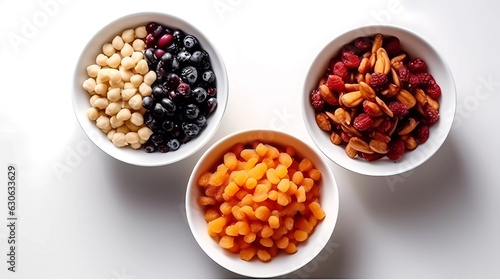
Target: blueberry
199,94
201,121
196,58
148,102
150,56
192,111
168,125
160,70
163,148
175,131
173,48
211,105
157,92
167,59
150,27
158,31
205,64
212,91
190,129
178,36
173,144
152,124
174,95
208,76
183,57
175,65
149,147
172,81
189,74
190,42
156,139
159,110
168,104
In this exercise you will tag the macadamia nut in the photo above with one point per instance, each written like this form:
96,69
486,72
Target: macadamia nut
144,132
135,102
119,139
127,62
132,137
108,49
127,50
142,67
114,94
139,45
128,35
101,59
140,32
93,113
145,90
92,70
150,78
124,114
89,85
118,43
137,119
114,60
136,56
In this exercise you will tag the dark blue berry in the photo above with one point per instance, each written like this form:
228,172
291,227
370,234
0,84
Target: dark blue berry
172,81
201,121
184,89
163,148
173,48
192,111
156,139
160,70
168,125
190,129
168,104
149,54
152,124
158,92
148,102
149,147
173,144
189,74
167,59
183,57
190,42
159,110
196,58
178,36
211,105
199,94
208,76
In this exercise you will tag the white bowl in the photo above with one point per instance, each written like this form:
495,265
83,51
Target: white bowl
416,46
81,97
283,263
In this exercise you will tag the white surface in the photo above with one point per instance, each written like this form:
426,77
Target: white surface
283,263
83,214
417,47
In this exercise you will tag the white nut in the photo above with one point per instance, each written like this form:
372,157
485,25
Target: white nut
144,133
92,113
113,108
127,62
150,78
127,50
137,119
142,67
140,32
114,60
108,49
89,85
92,70
114,94
132,137
135,102
145,90
123,115
118,43
139,45
101,59
119,139
136,56
128,35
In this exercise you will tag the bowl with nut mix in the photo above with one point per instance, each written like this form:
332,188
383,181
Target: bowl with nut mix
150,89
379,100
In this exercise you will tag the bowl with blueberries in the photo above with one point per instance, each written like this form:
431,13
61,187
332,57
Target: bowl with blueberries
150,89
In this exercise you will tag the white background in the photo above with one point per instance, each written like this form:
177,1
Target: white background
83,214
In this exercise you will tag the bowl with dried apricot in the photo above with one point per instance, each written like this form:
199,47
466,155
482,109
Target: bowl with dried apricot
150,89
262,203
379,100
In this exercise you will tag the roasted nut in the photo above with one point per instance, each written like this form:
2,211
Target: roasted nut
350,152
351,131
367,91
352,99
378,146
323,122
351,87
359,145
377,43
381,137
387,61
406,98
432,103
408,127
383,106
397,61
328,95
364,65
380,64
368,78
393,90
373,60
393,128
360,77
335,138
340,116
409,141
395,77
420,96
374,108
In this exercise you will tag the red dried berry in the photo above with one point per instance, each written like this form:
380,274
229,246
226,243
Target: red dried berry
384,126
362,122
364,44
417,65
433,90
425,79
371,157
341,70
413,82
335,83
431,115
378,80
317,101
396,149
404,73
421,133
347,48
393,46
345,137
398,109
350,60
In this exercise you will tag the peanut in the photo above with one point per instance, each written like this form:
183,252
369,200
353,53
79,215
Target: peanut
352,99
328,95
350,152
323,122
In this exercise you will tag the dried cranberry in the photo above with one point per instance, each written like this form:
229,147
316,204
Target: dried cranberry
396,149
363,122
335,83
417,65
378,79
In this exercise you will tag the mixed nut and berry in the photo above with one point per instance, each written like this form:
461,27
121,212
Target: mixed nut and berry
151,87
375,100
